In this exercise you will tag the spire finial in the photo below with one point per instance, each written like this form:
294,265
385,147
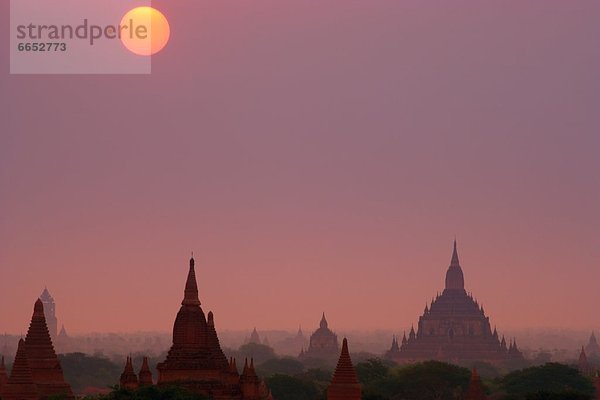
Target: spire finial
454,260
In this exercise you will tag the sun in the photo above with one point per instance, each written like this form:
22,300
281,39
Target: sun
144,31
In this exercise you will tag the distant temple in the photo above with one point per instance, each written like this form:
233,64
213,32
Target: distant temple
196,361
344,385
145,375
50,313
36,372
323,343
129,379
453,328
583,365
62,340
254,337
593,349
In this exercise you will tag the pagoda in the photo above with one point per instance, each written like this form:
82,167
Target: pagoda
254,337
129,379
583,365
475,390
454,328
36,371
344,385
323,343
593,349
145,375
196,360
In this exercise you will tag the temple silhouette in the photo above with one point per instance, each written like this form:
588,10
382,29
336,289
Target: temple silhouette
36,372
323,344
196,360
592,348
454,328
344,385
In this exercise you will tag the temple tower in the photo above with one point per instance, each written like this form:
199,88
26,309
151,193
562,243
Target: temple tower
323,343
344,385
44,365
50,313
145,375
196,360
455,280
475,389
254,337
593,349
129,379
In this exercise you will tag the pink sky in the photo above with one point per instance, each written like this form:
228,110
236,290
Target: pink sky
315,156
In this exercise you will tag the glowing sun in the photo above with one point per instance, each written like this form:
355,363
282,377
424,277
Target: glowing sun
144,31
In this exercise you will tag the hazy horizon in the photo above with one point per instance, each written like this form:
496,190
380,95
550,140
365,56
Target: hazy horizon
315,156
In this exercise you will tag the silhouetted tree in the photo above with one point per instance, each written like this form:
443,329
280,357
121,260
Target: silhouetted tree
430,380
372,370
82,370
291,388
150,393
285,366
547,382
259,352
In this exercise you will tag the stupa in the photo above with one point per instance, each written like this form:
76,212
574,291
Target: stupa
196,360
344,385
36,370
475,390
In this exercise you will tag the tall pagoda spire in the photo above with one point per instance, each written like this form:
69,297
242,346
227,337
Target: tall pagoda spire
344,385
454,277
190,297
44,364
323,323
454,260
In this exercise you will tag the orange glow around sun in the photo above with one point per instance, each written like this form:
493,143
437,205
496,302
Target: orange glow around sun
144,31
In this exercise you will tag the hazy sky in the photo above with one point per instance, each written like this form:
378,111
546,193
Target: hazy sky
315,156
